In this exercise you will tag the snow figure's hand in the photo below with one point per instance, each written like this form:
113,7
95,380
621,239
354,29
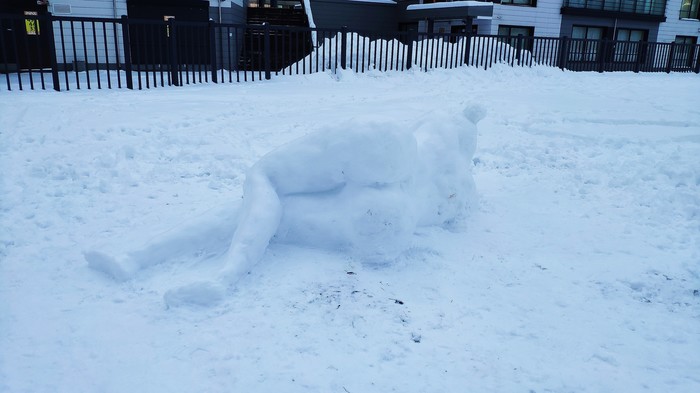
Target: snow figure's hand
201,294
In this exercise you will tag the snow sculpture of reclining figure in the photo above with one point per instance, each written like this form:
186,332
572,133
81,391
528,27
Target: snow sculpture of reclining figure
361,188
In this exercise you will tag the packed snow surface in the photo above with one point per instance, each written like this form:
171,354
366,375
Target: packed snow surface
576,270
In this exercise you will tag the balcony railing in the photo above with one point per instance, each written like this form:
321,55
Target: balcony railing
653,8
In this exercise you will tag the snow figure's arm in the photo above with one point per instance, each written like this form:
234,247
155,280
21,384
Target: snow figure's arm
258,222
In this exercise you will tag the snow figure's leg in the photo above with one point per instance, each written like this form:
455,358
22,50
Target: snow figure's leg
208,234
258,222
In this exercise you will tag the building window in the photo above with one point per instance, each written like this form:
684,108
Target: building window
684,51
627,45
585,42
510,35
641,7
529,3
689,9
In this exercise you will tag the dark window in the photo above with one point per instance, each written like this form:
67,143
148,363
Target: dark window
627,45
585,42
510,35
530,3
689,9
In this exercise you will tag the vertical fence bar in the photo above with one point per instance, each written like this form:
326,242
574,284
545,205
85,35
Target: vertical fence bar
52,50
239,60
40,66
467,47
75,55
138,28
266,48
343,46
212,51
106,49
229,53
409,49
85,53
63,53
29,62
19,73
151,72
97,59
116,54
364,47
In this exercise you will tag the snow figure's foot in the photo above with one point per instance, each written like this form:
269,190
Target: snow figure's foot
120,269
202,294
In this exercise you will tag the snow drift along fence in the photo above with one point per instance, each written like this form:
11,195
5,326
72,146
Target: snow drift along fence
63,53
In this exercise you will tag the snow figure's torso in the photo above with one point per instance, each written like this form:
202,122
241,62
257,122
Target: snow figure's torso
364,187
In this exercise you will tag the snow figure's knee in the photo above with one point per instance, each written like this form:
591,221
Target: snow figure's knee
474,112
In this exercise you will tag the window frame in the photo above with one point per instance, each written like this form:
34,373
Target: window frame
627,51
511,38
586,49
690,13
684,58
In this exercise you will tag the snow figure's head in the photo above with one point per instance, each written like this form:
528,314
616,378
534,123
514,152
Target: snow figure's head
446,144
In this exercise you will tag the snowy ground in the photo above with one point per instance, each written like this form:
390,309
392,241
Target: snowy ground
579,272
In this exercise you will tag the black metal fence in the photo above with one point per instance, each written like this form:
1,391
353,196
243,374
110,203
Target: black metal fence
64,53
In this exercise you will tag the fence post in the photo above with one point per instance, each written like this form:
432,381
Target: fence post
126,41
52,50
519,48
174,61
411,35
671,53
563,52
602,53
467,45
266,49
212,51
640,56
697,59
343,46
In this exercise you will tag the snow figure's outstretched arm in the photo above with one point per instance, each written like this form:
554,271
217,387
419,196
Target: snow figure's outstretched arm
258,222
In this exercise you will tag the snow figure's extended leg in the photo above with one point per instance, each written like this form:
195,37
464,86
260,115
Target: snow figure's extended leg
207,234
258,222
